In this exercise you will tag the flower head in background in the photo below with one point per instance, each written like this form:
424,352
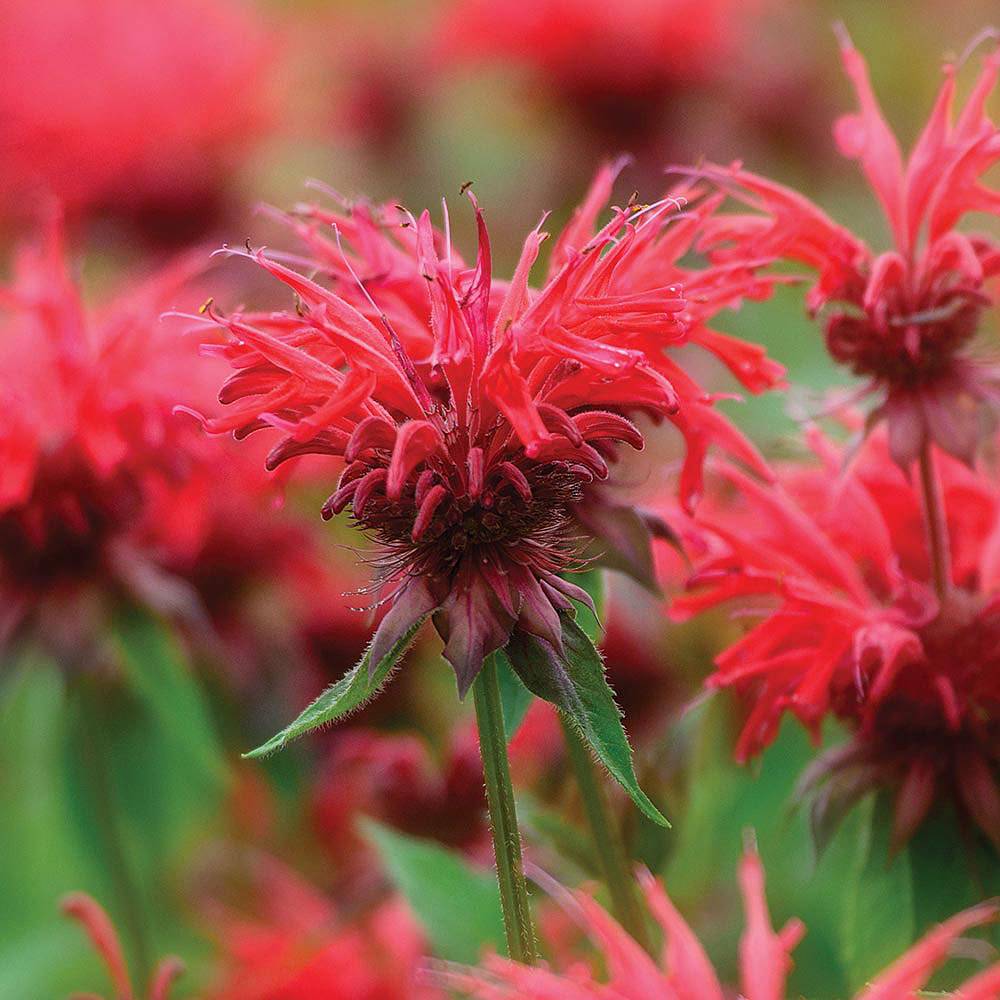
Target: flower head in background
683,970
98,478
288,942
832,565
392,778
476,417
904,320
92,917
143,111
613,67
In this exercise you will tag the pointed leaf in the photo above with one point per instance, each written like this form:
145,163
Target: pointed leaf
358,686
576,685
458,906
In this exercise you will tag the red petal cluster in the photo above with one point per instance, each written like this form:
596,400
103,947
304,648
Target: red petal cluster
904,319
684,971
392,778
292,944
588,51
143,110
98,478
471,413
833,562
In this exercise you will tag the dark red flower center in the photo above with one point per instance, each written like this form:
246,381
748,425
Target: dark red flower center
906,346
60,534
521,512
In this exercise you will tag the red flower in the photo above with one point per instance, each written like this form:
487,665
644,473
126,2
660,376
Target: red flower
98,479
474,415
833,562
143,109
293,945
684,971
102,934
392,778
614,66
905,319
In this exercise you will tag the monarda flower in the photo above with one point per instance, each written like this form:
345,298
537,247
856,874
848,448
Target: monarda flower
287,941
104,938
475,417
616,70
683,970
98,478
904,320
143,114
833,565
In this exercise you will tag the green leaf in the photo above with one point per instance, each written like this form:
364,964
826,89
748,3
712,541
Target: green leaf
576,685
358,686
516,698
591,581
879,908
458,906
158,674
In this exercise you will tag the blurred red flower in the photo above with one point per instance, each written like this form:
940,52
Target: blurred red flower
904,320
684,971
104,938
98,477
391,777
141,110
613,66
290,943
474,415
834,562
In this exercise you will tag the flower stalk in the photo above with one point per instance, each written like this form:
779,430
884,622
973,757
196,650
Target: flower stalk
937,525
608,841
503,817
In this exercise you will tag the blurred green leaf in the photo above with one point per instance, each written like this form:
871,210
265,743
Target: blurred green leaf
356,687
592,581
516,698
879,904
458,906
159,675
576,685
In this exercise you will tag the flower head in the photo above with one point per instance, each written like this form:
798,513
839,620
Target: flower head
832,565
475,416
683,971
143,110
614,67
92,917
905,320
99,479
391,777
291,943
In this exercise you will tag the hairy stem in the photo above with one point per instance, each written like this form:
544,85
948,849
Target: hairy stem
608,841
937,525
503,818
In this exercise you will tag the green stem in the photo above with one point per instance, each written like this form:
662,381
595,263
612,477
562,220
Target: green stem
608,840
94,758
937,525
503,818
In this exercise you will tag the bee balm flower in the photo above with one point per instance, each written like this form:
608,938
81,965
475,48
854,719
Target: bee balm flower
684,971
834,566
905,319
98,479
475,416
